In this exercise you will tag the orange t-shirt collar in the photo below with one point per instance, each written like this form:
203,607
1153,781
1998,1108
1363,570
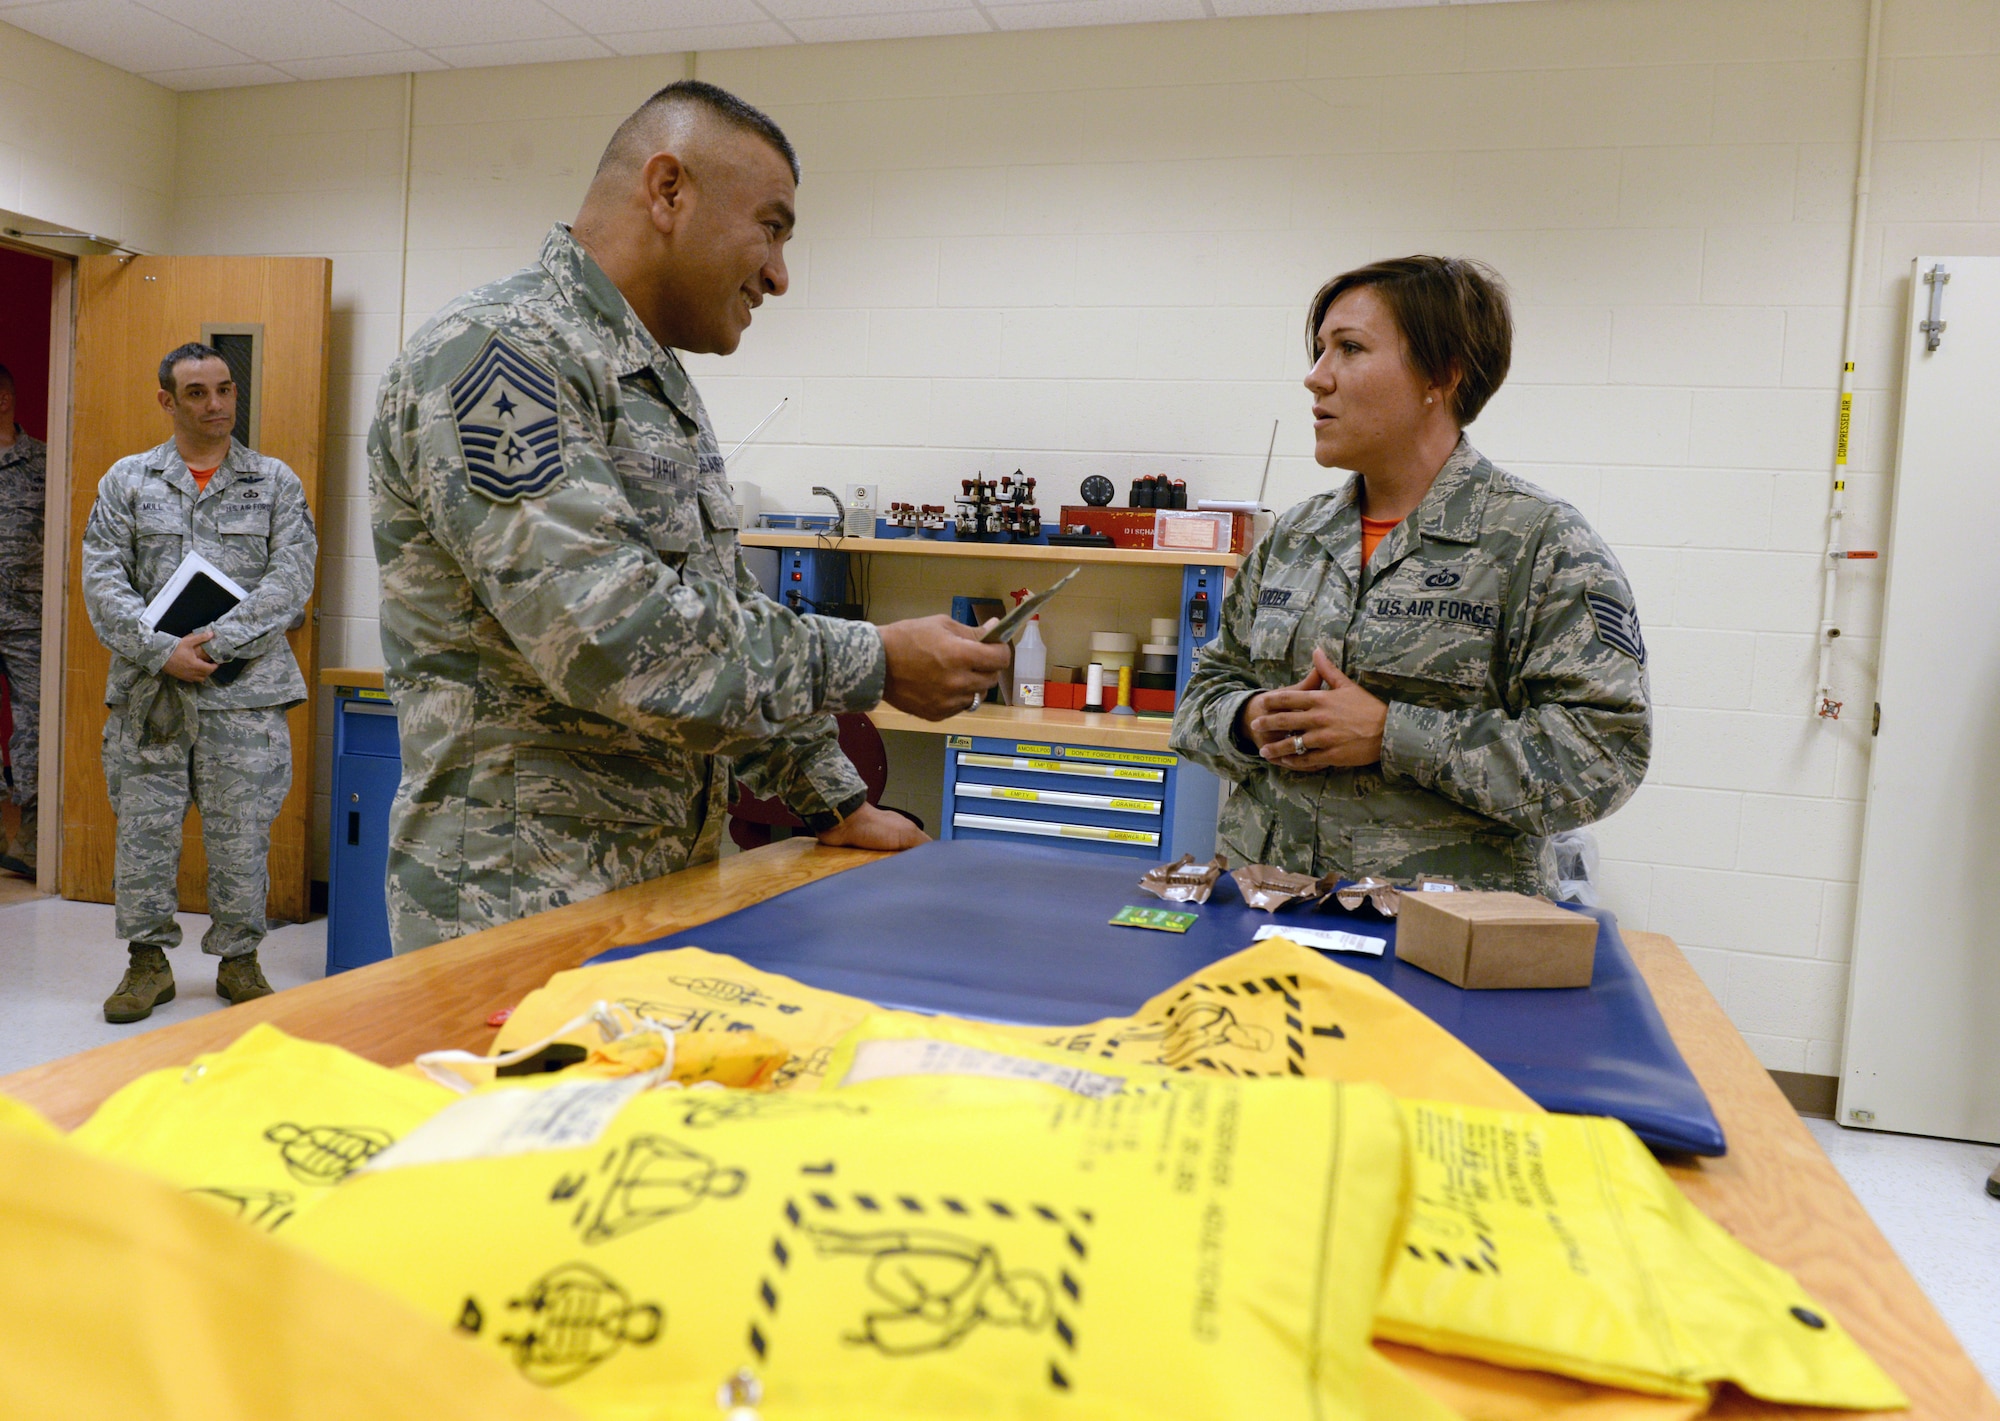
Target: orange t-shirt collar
202,476
1373,531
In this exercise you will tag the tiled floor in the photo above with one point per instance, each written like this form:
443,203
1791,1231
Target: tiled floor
58,961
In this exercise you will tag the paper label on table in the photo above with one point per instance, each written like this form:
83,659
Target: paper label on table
1439,887
1166,920
514,1122
886,1059
1325,939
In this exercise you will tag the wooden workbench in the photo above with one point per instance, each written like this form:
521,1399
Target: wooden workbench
1775,1190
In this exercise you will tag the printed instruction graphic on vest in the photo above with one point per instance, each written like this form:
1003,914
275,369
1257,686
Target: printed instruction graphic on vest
571,1319
722,989
644,1180
264,1209
711,1108
1232,1028
905,1275
326,1154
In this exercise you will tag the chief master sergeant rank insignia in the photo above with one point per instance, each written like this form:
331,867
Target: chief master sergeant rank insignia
508,431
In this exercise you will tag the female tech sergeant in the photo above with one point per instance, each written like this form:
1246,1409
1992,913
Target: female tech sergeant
1436,666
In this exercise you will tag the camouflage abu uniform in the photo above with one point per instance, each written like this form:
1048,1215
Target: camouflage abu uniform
1500,630
23,491
570,634
165,740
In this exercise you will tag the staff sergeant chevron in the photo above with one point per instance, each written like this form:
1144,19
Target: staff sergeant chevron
509,435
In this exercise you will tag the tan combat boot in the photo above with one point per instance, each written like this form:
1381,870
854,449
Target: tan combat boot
147,983
240,979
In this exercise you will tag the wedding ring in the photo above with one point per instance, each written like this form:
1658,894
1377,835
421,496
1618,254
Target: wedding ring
1298,745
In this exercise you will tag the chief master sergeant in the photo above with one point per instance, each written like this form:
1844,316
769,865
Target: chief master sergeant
579,659
176,730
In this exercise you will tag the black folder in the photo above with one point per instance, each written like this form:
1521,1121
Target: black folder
199,603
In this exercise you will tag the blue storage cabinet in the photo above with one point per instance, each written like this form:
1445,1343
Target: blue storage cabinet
1141,804
367,766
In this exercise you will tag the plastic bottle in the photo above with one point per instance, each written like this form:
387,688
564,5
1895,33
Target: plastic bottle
1031,665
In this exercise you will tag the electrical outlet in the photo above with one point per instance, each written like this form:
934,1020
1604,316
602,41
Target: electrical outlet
859,495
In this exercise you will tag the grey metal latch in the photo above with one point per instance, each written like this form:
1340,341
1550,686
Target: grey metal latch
1933,328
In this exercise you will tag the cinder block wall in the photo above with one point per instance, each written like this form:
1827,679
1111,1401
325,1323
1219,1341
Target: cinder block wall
84,146
1089,250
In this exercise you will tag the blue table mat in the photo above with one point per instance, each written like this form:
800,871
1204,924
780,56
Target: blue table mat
1020,933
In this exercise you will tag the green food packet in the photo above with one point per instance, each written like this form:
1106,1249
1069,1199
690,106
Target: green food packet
1166,920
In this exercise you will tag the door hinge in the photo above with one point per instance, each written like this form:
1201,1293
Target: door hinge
1933,328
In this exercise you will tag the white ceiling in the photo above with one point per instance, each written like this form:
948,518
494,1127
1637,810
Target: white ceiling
214,44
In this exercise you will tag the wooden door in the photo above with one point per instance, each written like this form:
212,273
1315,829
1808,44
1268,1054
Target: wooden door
1923,1015
129,313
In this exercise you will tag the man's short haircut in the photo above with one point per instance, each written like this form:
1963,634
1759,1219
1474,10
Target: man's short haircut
627,143
193,350
6,378
1454,317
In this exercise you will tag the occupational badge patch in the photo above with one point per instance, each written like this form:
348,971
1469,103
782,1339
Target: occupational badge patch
504,405
1617,625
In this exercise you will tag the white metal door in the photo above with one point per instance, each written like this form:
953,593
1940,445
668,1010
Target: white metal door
1923,1013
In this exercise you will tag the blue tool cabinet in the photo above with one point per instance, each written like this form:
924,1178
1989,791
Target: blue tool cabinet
367,765
1137,803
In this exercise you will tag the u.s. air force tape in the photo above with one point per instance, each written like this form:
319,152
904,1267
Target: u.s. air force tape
1617,625
504,406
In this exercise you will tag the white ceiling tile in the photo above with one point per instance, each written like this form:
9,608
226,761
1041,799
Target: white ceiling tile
429,22
194,44
1034,15
361,66
221,76
755,36
123,35
307,29
789,10
611,17
931,22
536,51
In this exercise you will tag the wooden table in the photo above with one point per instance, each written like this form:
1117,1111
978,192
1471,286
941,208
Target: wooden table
1775,1190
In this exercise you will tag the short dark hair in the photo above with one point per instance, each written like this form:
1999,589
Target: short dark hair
1454,317
6,377
193,350
717,103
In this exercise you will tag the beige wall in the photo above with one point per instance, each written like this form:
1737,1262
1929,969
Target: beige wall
1088,251
83,145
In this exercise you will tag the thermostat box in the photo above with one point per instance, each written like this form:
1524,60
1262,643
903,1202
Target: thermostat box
1488,940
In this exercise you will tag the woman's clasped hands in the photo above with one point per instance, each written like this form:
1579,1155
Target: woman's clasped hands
1323,722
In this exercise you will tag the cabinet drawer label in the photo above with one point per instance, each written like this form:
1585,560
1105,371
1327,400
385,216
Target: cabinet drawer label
1123,757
